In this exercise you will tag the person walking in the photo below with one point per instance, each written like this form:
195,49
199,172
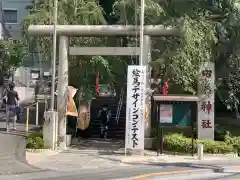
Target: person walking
12,106
105,116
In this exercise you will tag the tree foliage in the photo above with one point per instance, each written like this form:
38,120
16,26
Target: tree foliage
227,55
12,54
82,68
180,57
211,35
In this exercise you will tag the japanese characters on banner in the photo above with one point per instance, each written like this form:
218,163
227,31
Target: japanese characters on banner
206,104
136,81
166,113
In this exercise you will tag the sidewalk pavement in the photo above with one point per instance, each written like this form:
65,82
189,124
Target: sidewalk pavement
76,160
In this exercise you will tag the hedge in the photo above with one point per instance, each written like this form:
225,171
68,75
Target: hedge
35,141
234,141
179,143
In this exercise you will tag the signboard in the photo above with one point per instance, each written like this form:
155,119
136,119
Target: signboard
35,74
46,74
136,81
166,113
176,115
206,104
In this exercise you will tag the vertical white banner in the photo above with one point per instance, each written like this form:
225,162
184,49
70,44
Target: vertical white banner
136,81
206,104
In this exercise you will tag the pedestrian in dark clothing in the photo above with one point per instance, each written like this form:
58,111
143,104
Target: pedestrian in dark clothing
105,116
12,106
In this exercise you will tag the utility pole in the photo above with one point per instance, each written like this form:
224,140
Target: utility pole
50,128
142,31
54,54
141,62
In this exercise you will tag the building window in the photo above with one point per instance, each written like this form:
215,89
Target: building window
10,16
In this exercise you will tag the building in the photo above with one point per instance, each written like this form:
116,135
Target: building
12,16
12,13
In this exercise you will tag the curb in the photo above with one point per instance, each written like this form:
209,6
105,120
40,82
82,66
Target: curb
41,150
175,174
221,155
158,159
188,154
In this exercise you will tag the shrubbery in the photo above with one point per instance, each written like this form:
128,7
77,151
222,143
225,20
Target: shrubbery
35,141
172,142
179,143
234,141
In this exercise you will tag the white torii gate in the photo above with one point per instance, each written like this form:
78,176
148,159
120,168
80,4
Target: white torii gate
64,31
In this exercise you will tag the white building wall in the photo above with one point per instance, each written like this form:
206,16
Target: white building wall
1,32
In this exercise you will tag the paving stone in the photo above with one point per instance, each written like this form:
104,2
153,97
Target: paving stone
12,150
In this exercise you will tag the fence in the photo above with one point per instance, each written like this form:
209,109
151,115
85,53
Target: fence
28,114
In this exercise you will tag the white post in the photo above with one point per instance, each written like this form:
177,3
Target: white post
49,129
37,113
146,60
45,104
141,63
62,90
200,151
206,122
142,31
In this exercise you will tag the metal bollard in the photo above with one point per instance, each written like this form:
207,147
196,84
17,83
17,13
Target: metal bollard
45,104
27,120
200,152
37,113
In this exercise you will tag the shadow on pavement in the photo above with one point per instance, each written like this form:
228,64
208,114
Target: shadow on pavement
13,151
13,154
19,131
104,147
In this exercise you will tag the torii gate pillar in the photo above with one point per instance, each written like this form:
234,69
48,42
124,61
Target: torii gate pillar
62,90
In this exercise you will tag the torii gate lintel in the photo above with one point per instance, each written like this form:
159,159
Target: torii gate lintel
103,30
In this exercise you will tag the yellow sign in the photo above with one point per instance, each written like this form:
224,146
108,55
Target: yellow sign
71,106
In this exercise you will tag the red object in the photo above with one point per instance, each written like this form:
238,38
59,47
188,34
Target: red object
207,107
97,83
170,115
206,124
165,88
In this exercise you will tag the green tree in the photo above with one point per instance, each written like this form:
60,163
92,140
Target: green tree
211,34
180,57
227,56
83,69
12,55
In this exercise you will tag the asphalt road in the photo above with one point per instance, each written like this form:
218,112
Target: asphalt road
177,171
